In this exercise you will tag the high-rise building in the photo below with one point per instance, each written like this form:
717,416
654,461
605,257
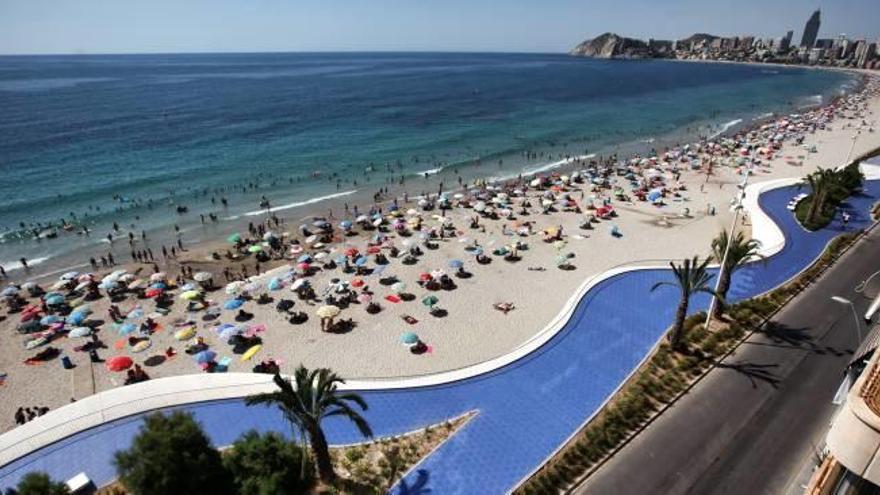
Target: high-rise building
811,30
785,44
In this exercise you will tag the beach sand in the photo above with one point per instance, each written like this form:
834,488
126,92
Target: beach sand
472,331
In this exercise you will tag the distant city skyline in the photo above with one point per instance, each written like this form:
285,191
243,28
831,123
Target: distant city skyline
161,26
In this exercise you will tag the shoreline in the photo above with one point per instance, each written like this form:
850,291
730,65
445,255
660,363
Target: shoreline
334,201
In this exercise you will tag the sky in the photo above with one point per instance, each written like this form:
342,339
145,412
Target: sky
152,26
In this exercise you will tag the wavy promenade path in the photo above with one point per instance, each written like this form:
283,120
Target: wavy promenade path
526,409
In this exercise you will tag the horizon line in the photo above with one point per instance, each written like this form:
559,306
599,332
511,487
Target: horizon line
270,52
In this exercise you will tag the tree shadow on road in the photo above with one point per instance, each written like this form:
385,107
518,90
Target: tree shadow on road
754,372
782,335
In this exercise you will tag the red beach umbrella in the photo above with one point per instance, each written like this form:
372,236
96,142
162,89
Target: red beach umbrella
374,250
425,277
119,363
358,282
153,292
351,252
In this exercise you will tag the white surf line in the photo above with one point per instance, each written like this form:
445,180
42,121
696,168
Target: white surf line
121,402
289,206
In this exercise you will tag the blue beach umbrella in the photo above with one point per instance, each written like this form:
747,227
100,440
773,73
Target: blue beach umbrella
159,285
9,291
77,318
205,356
49,319
408,338
229,332
361,261
274,284
233,304
455,264
306,258
127,328
340,260
345,224
55,300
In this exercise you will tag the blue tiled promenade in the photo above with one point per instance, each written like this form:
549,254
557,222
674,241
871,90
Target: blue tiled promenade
526,409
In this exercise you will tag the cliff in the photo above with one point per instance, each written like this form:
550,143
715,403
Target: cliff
610,45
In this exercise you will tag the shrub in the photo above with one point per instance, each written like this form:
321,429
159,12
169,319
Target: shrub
40,484
268,464
171,454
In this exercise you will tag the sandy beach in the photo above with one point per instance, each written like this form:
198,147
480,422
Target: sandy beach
471,330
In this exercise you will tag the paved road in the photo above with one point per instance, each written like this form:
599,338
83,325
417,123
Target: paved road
753,423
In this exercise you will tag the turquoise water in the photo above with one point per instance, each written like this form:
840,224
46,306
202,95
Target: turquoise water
127,139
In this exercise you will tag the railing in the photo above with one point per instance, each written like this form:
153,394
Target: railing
870,390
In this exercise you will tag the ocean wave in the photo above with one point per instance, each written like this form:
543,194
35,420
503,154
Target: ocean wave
294,205
63,270
433,171
542,168
16,265
764,116
725,127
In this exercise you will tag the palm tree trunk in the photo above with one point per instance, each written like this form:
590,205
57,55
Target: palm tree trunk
723,287
321,451
675,336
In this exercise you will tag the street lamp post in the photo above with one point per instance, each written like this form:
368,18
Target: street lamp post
858,322
736,211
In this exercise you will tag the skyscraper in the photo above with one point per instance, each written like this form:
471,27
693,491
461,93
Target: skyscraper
811,30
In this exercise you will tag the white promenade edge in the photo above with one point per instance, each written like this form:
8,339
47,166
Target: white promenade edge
121,402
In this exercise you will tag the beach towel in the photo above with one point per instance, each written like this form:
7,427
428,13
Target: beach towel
392,298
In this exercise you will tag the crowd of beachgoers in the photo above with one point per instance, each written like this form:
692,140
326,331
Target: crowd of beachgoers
408,285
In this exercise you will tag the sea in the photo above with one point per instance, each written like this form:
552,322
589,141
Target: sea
152,143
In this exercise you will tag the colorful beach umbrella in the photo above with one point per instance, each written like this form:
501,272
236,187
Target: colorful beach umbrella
127,328
205,356
190,295
234,238
233,304
409,338
185,333
251,352
80,332
234,287
119,363
430,301
328,311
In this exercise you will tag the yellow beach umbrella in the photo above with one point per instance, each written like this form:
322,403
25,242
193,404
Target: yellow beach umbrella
328,311
190,295
185,333
250,352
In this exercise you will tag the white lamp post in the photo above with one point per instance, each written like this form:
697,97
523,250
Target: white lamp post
843,300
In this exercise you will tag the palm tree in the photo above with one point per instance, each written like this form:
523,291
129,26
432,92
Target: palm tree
314,398
691,277
741,250
822,182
